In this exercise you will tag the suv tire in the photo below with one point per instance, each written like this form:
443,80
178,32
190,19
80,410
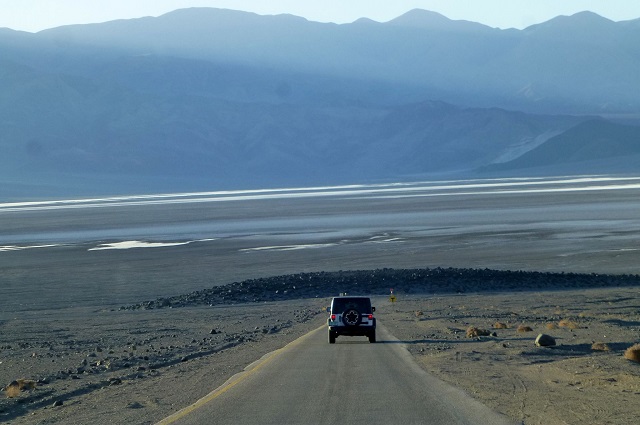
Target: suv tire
332,337
351,317
372,337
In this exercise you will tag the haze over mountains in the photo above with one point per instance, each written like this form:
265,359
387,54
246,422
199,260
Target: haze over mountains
215,99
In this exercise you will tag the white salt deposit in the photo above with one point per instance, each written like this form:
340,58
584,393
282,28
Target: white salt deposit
288,247
20,248
142,244
388,190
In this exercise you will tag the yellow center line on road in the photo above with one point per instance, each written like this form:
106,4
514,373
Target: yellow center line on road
236,379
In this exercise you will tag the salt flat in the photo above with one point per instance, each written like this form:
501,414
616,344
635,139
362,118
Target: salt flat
585,224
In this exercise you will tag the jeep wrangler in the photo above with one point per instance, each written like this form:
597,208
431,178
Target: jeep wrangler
351,316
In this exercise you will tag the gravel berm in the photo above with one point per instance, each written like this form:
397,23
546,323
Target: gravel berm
381,281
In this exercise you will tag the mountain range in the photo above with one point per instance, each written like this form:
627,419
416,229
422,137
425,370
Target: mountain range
210,98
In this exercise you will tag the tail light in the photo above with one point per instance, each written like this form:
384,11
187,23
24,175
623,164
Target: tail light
371,317
333,317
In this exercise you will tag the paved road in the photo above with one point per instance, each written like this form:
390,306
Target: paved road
350,382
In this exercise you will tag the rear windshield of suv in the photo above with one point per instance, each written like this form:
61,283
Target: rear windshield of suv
363,305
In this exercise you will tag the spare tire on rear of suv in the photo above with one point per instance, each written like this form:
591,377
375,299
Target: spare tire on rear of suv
351,317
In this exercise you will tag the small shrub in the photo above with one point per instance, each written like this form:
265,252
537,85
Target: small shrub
12,391
523,328
500,325
474,332
633,353
568,324
552,326
419,313
16,387
599,346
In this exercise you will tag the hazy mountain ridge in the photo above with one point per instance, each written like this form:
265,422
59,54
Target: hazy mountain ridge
466,63
557,66
202,98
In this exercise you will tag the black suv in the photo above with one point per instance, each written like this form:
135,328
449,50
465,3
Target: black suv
351,316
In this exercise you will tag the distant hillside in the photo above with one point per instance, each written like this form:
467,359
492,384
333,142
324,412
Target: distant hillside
209,98
85,131
589,142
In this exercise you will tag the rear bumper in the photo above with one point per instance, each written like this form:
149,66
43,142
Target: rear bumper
352,330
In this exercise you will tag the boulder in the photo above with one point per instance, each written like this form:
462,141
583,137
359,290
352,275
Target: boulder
544,340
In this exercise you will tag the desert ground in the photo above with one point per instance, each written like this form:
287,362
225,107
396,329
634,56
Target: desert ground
574,382
128,336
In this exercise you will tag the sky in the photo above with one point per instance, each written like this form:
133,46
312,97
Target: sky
36,15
